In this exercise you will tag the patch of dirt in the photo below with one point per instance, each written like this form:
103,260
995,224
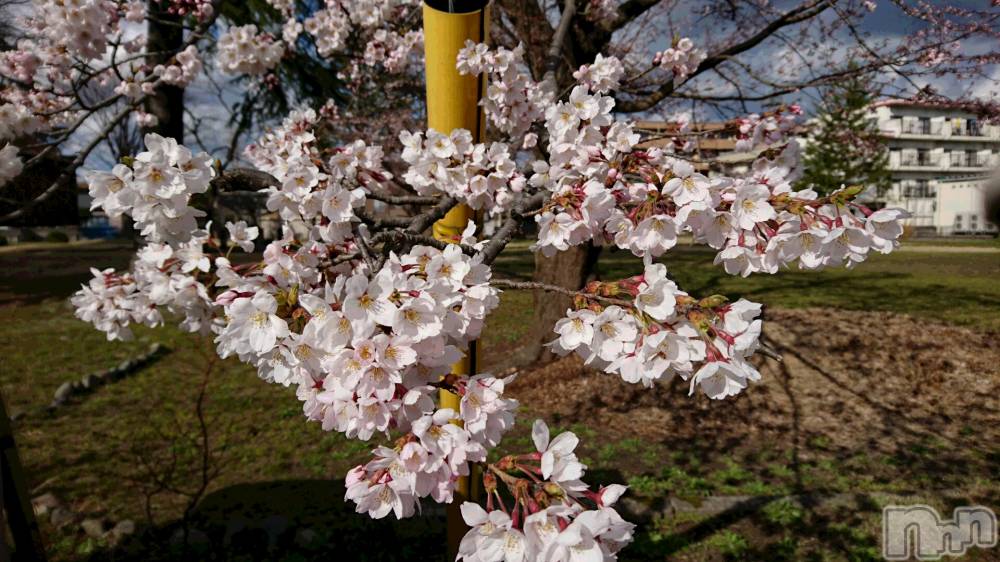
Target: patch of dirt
851,382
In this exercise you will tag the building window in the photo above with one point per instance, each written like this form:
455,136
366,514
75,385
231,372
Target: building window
923,157
973,222
956,127
972,127
924,126
958,159
919,188
972,158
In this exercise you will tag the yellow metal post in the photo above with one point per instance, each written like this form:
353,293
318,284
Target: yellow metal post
453,103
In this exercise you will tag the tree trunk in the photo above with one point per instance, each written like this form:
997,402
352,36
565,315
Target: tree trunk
167,102
575,267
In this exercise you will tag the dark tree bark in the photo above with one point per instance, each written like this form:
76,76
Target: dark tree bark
165,38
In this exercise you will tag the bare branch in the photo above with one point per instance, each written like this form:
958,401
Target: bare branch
243,179
424,220
510,227
536,286
404,199
799,14
558,38
70,169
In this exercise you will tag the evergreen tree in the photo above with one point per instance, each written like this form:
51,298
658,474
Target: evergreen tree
844,147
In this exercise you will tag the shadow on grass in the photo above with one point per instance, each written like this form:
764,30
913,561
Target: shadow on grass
287,520
33,275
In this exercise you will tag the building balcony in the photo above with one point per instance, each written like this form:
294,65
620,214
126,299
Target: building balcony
943,164
939,133
970,162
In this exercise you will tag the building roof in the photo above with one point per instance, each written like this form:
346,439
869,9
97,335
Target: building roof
928,104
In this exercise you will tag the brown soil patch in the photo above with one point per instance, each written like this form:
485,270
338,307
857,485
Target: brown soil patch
855,381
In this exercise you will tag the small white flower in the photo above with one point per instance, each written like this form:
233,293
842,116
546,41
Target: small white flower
242,235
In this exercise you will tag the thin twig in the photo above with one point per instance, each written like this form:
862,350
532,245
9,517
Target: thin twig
558,38
537,286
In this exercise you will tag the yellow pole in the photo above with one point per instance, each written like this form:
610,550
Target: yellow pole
453,103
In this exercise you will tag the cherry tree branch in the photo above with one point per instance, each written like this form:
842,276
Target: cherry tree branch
424,220
238,180
536,286
558,38
70,170
631,10
382,222
404,199
397,236
791,17
511,226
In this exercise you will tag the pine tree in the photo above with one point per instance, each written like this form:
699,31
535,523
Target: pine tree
845,147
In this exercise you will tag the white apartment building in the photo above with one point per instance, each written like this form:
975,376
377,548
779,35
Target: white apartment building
959,207
932,145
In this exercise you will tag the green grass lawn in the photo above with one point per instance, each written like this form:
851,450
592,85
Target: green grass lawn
97,454
958,288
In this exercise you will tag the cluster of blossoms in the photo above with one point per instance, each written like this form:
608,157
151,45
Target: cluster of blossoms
70,47
393,50
583,138
163,277
770,129
554,515
662,332
605,190
513,102
242,50
366,327
329,27
682,59
484,176
366,348
186,68
602,76
16,120
41,69
20,64
80,27
332,25
327,195
154,188
10,164
435,452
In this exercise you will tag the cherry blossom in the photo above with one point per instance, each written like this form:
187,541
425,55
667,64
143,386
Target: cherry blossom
242,50
681,59
513,100
364,315
554,516
10,164
242,235
484,176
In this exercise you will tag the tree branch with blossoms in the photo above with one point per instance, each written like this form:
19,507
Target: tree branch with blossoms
361,310
364,315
